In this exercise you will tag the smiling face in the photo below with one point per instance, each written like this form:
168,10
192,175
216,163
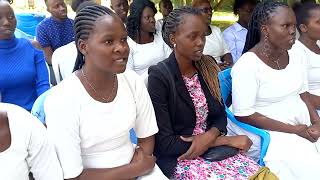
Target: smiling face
7,20
190,37
57,8
148,23
281,28
121,8
106,48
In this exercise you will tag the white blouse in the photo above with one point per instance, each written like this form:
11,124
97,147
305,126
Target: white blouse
215,44
91,134
30,150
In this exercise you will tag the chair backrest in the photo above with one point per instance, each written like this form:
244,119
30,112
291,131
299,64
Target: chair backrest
225,84
38,109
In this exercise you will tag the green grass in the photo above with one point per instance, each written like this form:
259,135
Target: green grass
223,19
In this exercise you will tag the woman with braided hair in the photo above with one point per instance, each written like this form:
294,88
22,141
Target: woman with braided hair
90,113
184,90
269,92
146,45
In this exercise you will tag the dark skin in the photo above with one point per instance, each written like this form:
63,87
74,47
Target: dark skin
147,27
190,40
121,8
58,10
207,12
165,7
244,13
281,32
7,21
5,135
106,52
310,34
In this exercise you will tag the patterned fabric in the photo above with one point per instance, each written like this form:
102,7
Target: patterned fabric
54,34
238,167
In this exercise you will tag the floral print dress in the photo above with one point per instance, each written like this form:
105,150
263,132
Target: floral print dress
238,167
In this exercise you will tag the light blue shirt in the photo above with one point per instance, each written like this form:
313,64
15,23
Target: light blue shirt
235,37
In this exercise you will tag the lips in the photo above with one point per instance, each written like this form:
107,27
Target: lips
121,61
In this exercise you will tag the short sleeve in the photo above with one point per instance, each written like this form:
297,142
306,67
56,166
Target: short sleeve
42,36
63,128
42,157
245,86
145,124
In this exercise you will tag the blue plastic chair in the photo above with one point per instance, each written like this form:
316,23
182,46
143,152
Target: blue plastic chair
226,88
28,22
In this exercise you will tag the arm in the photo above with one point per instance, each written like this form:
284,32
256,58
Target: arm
44,40
147,144
168,141
42,74
48,54
315,100
314,117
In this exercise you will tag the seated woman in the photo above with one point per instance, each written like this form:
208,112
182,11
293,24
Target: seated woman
235,35
24,147
308,16
146,45
23,72
189,110
215,46
269,92
89,114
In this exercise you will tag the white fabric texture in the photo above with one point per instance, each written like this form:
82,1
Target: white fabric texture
91,134
63,60
142,56
215,45
235,37
30,150
257,87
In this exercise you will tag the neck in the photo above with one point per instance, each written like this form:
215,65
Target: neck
308,42
144,37
243,23
273,52
185,65
101,80
58,19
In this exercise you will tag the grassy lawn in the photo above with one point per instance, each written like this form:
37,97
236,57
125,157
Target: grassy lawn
223,19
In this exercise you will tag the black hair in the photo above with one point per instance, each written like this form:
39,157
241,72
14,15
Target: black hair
85,4
75,4
134,19
303,12
240,3
83,25
164,1
260,16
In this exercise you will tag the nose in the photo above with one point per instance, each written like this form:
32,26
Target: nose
152,19
122,47
201,41
5,21
292,30
62,8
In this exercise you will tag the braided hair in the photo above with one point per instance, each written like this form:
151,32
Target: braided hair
240,3
260,16
134,19
303,12
207,66
83,25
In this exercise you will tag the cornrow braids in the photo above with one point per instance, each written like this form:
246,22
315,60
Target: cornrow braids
206,65
134,18
260,16
83,25
303,12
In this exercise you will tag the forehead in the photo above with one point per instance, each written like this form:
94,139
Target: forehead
113,2
166,3
192,23
282,15
5,8
147,11
54,2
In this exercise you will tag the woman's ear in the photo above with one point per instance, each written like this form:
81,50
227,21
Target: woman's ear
264,31
82,45
172,40
303,28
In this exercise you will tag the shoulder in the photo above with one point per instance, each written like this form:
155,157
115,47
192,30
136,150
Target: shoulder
215,29
47,21
229,30
247,62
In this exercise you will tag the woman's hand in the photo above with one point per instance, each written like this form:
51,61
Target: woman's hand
241,142
200,144
303,131
314,131
143,162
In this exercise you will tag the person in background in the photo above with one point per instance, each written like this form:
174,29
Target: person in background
189,108
215,46
55,31
308,18
146,44
235,35
24,147
23,72
64,58
90,113
165,7
269,91
75,4
121,8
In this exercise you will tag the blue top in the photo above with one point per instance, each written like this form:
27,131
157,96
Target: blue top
54,34
23,72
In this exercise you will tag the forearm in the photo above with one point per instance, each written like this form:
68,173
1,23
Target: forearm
315,100
124,172
147,144
227,58
314,117
263,122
